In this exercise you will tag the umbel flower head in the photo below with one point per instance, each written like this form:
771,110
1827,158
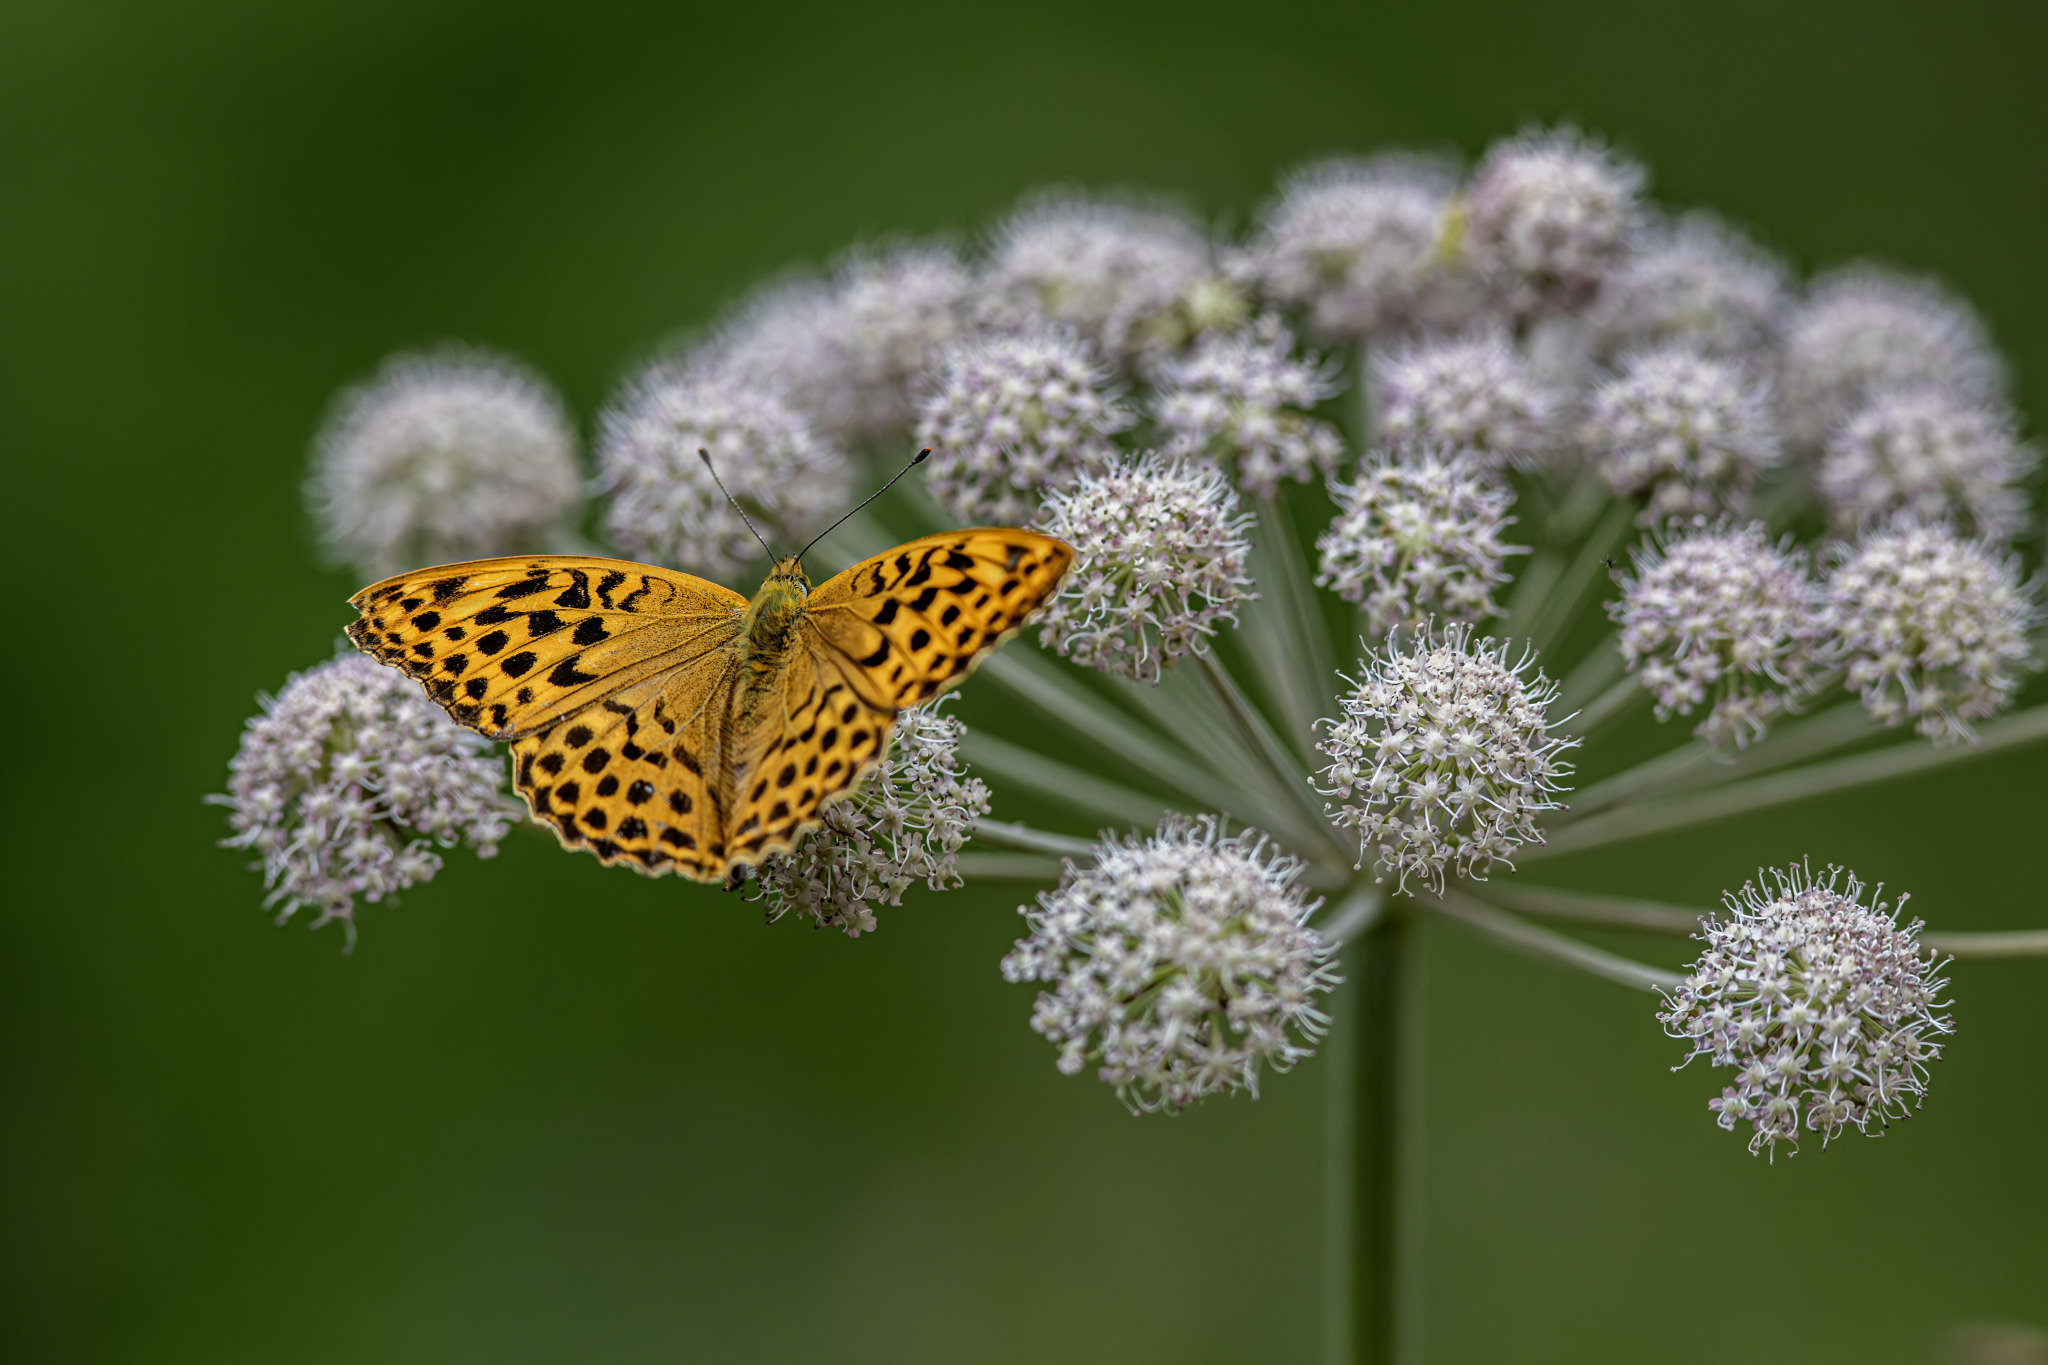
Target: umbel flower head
1418,537
1160,555
1474,393
1009,416
1688,432
1932,455
1443,759
1823,1006
904,824
1360,245
1862,331
1548,216
457,454
1181,964
847,352
665,506
1130,279
1932,627
1696,283
1242,399
1718,617
347,782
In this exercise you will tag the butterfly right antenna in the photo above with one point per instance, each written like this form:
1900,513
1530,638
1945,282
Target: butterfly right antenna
915,461
705,456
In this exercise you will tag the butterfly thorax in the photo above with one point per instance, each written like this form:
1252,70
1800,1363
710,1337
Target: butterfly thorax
768,630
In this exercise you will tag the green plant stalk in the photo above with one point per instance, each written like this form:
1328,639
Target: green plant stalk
1371,1329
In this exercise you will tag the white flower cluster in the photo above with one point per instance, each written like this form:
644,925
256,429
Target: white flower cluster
1011,415
665,506
1931,455
457,454
346,783
1361,246
1178,963
1688,432
1133,280
1932,627
1418,537
1444,758
1862,331
1160,551
1241,399
1721,618
904,824
847,352
1823,1006
1547,216
1695,283
1474,393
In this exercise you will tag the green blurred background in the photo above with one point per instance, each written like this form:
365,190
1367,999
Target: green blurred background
550,1113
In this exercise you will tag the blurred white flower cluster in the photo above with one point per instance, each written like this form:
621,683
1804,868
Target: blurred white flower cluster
1180,964
349,780
1822,1005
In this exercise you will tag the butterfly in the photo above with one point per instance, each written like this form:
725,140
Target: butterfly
668,723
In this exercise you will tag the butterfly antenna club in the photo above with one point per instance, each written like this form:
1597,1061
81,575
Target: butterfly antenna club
705,456
915,461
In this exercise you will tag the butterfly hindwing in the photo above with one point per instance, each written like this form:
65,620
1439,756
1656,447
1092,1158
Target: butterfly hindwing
508,646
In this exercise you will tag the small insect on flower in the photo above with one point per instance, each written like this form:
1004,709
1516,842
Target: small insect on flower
347,782
1418,537
1242,399
1010,416
1181,964
1822,1005
1444,758
1932,627
1717,616
1160,560
667,509
449,455
1475,394
1864,330
904,824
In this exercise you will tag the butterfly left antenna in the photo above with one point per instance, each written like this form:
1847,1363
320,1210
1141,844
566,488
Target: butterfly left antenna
915,461
705,456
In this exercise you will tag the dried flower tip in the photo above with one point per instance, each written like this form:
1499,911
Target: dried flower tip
1181,964
1717,616
665,506
1418,538
1475,394
1932,627
347,781
1131,279
1010,416
1241,399
1931,455
452,455
846,353
1444,758
1361,246
1160,555
904,824
1863,331
1548,216
1824,1008
1696,283
1688,432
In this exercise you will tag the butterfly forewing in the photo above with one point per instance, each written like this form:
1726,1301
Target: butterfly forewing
511,645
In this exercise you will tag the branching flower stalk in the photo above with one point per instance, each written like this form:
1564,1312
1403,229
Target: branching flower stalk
1299,692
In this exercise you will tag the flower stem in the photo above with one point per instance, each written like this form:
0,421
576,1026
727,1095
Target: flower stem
2024,943
1024,839
1367,1242
1536,941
